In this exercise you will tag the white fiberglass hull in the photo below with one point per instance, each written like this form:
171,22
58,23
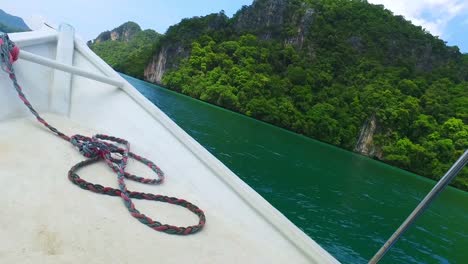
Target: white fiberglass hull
47,219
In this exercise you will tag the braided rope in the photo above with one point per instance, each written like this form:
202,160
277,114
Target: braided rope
108,149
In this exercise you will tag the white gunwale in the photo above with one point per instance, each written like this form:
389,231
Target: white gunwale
24,39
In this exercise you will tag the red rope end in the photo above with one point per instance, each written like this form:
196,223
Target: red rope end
14,54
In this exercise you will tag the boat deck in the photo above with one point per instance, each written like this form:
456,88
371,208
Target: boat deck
45,217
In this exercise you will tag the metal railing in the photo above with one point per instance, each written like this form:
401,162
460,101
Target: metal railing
422,206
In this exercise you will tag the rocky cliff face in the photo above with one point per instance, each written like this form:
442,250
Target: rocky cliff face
165,59
267,17
157,67
365,144
303,28
176,44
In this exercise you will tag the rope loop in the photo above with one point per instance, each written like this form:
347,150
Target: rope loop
94,147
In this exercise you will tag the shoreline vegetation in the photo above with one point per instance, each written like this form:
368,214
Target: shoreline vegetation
343,72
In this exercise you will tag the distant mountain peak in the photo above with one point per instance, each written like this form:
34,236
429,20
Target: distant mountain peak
10,23
124,32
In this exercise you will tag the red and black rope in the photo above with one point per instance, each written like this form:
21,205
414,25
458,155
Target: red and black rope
114,151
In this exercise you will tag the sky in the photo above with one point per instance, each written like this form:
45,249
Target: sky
91,17
447,19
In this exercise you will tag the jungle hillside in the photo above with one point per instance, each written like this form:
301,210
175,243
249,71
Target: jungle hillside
344,72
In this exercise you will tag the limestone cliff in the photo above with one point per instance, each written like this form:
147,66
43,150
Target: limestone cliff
176,43
165,59
365,144
267,17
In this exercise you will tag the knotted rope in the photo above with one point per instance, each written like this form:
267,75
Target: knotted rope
106,148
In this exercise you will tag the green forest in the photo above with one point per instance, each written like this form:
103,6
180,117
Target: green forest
324,69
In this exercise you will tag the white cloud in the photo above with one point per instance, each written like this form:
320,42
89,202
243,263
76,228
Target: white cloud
433,15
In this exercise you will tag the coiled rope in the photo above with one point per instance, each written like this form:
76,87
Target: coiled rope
106,148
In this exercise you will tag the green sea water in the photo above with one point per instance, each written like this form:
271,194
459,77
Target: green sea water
347,203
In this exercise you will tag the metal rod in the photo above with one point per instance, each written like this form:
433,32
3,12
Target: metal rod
71,69
443,182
